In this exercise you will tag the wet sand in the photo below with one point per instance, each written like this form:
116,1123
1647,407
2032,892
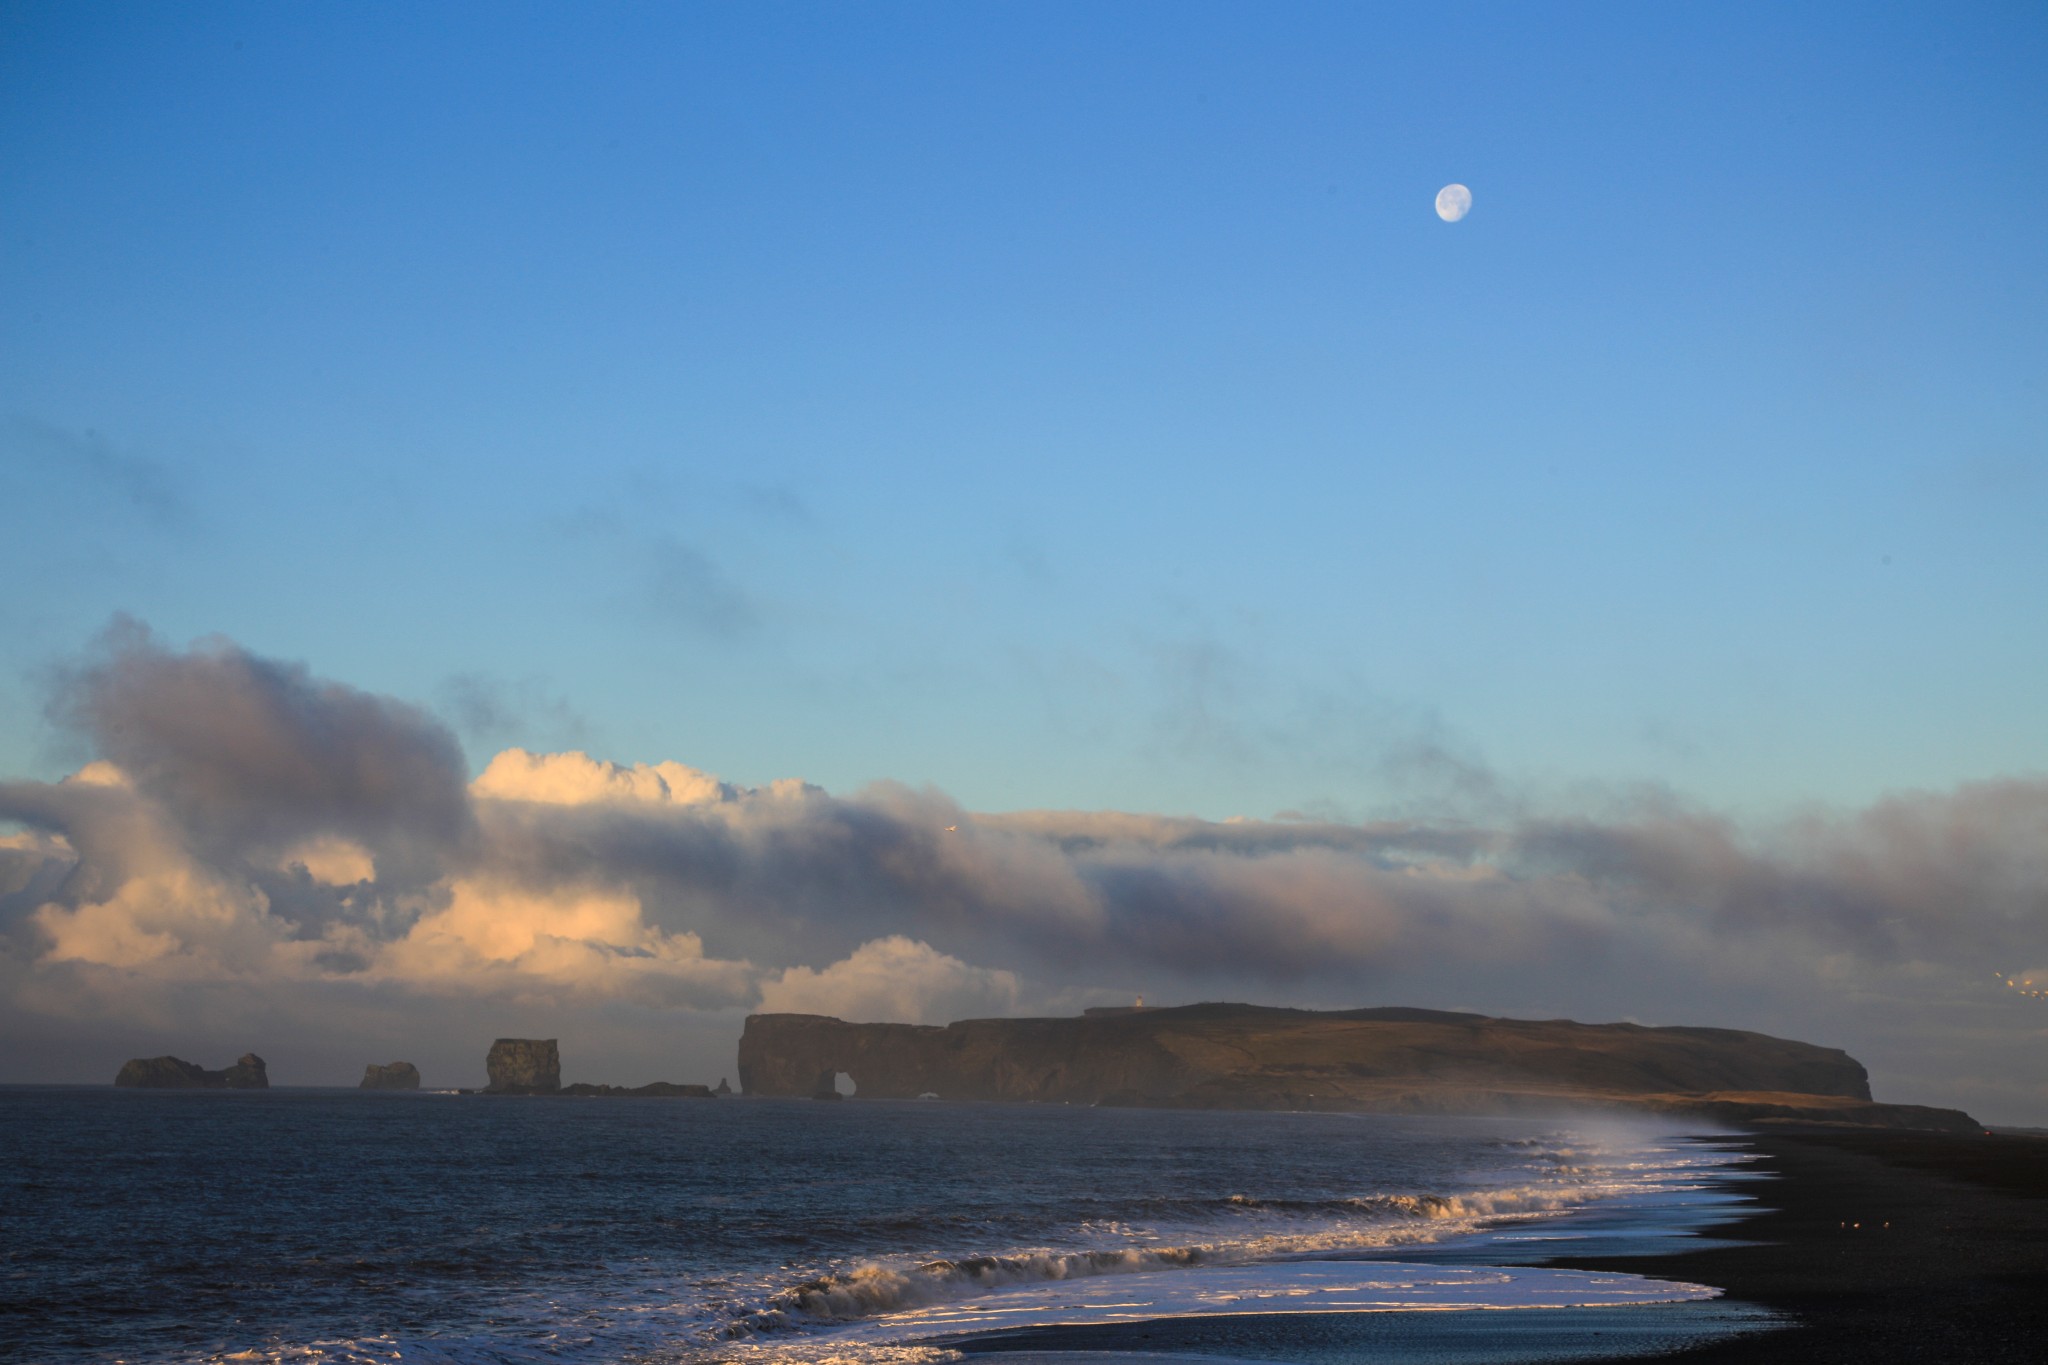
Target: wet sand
1868,1246
1884,1246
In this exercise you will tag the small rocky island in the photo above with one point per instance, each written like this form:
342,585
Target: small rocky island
524,1066
390,1076
670,1090
533,1066
174,1073
1406,1061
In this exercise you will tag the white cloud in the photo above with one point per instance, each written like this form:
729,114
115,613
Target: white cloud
894,980
254,827
576,779
587,942
332,862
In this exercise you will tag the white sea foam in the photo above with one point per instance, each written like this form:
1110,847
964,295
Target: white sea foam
1270,1253
1295,1287
873,1289
1236,1254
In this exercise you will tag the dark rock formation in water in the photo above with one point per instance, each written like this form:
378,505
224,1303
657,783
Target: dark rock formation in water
390,1076
722,1088
1382,1060
524,1066
172,1073
653,1090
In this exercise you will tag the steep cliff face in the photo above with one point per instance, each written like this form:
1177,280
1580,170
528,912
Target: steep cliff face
1253,1057
1053,1060
523,1066
390,1076
173,1073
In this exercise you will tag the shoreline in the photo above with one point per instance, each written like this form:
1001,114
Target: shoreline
1879,1245
1862,1245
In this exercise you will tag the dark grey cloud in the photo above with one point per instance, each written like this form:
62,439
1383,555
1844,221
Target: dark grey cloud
566,881
249,755
1920,877
1291,901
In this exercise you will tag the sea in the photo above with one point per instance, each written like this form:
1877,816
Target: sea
313,1225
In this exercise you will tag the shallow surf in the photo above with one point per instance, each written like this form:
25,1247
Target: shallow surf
323,1226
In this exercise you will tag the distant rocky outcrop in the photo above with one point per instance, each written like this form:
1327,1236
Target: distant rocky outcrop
174,1073
722,1088
524,1066
390,1076
652,1090
1384,1060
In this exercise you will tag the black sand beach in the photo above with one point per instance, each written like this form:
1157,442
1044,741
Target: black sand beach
1869,1246
1885,1246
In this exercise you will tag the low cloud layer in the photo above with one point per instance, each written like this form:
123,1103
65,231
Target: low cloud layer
255,848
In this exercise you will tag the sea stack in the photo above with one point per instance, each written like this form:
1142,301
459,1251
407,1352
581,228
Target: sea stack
174,1073
524,1066
390,1076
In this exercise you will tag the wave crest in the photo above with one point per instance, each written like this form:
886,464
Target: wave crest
1362,1222
875,1289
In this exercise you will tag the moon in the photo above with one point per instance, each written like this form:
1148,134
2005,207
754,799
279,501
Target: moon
1453,202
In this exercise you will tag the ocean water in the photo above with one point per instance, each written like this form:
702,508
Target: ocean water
321,1225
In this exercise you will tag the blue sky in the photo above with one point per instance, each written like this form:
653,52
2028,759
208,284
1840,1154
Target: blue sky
1067,406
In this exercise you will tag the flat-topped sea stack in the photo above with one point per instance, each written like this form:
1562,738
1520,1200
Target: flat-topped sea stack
390,1076
174,1073
524,1066
1408,1061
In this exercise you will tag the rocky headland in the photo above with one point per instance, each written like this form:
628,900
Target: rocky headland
390,1076
174,1073
1411,1061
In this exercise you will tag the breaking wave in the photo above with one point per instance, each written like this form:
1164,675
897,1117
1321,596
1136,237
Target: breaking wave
875,1289
780,1234
1355,1224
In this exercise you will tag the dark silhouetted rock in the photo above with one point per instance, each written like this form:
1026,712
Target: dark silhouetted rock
162,1073
1381,1060
653,1090
248,1073
390,1076
723,1088
172,1073
524,1066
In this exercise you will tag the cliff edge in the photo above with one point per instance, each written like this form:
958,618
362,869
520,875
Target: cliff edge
1411,1061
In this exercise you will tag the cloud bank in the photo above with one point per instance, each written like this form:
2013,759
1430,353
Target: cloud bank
253,847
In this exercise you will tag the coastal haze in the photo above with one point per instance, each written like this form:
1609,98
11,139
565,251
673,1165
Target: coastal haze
604,528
